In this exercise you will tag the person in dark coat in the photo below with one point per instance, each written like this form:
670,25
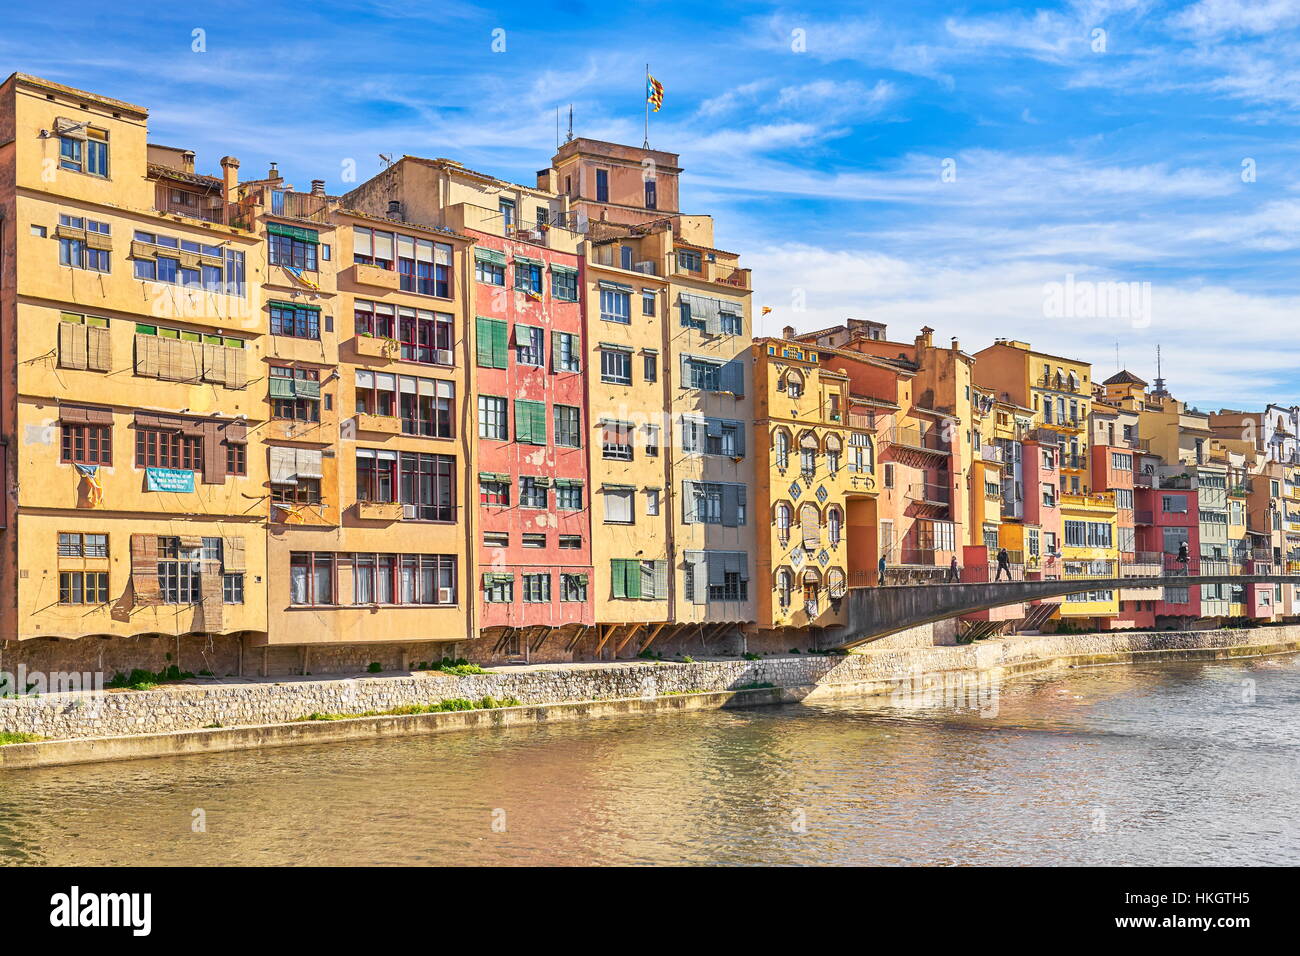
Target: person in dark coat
954,573
1183,556
880,569
1004,564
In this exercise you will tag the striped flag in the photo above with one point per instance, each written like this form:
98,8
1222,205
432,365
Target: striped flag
654,92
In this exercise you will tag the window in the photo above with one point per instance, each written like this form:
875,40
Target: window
834,526
618,505
295,393
701,373
236,458
84,150
426,337
602,185
568,494
528,346
496,539
83,587
374,319
300,322
303,491
232,589
534,492
781,441
158,258
494,491
83,545
292,246
1173,504
570,542
651,367
713,502
652,440
86,444
615,366
427,406
492,418
568,426
564,352
83,244
507,208
616,440
492,336
862,453
564,284
528,276
651,195
534,541
639,580
652,501
1121,462
808,461
615,304
1124,499
179,571
784,587
424,266
376,475
1049,496
489,270
537,588
689,260
164,448
888,476
530,422
427,487
573,587
499,588
783,516
648,297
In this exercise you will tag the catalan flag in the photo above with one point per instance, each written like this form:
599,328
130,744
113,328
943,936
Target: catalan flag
654,92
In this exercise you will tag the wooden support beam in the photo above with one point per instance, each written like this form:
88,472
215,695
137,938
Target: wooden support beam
631,633
582,631
606,636
501,641
541,639
654,632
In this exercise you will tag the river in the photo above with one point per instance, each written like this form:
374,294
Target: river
1144,765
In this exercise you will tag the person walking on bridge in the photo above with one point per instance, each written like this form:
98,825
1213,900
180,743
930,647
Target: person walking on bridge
1004,564
1183,557
954,573
880,570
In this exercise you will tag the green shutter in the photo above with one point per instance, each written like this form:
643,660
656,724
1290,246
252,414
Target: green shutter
617,577
281,387
293,232
633,578
491,335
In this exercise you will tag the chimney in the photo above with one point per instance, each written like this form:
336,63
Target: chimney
925,339
187,160
394,209
229,178
318,187
787,332
547,179
274,173
956,346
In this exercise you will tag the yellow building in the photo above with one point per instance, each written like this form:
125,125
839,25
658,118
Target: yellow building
813,462
132,332
1090,549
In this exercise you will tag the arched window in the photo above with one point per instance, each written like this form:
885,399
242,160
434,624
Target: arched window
782,443
784,587
864,453
833,446
811,591
793,383
808,454
835,585
834,524
810,526
783,516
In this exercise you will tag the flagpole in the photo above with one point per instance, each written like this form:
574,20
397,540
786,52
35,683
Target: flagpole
646,144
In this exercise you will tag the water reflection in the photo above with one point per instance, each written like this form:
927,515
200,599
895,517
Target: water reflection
1169,764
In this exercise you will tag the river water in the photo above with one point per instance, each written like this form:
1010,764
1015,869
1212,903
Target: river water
1147,765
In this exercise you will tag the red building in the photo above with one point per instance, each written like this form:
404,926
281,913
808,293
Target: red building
535,542
1166,514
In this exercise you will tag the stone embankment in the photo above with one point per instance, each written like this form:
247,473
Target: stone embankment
213,715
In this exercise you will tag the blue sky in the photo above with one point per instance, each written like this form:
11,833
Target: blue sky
817,135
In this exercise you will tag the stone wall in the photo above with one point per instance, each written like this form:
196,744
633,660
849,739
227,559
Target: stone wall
878,670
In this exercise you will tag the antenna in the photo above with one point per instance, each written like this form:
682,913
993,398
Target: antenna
1117,365
570,138
557,127
386,159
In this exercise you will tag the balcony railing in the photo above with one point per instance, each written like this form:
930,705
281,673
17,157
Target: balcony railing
992,453
907,437
934,494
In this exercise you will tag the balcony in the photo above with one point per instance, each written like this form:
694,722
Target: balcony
204,207
914,438
379,510
933,494
1143,517
992,453
291,205
375,346
718,272
379,424
1060,383
361,274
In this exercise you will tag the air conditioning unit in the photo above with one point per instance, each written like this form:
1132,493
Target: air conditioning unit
408,511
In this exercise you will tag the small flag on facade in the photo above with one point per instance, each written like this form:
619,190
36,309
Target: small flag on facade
766,309
654,92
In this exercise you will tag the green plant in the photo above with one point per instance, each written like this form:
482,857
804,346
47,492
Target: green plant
406,710
750,656
455,666
140,679
687,659
375,667
8,737
794,650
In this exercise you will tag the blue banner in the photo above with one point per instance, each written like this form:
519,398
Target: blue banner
168,479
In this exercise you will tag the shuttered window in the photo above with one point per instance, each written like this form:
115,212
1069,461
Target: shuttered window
493,343
530,422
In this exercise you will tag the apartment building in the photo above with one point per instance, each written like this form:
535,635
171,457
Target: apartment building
669,324
820,460
131,334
